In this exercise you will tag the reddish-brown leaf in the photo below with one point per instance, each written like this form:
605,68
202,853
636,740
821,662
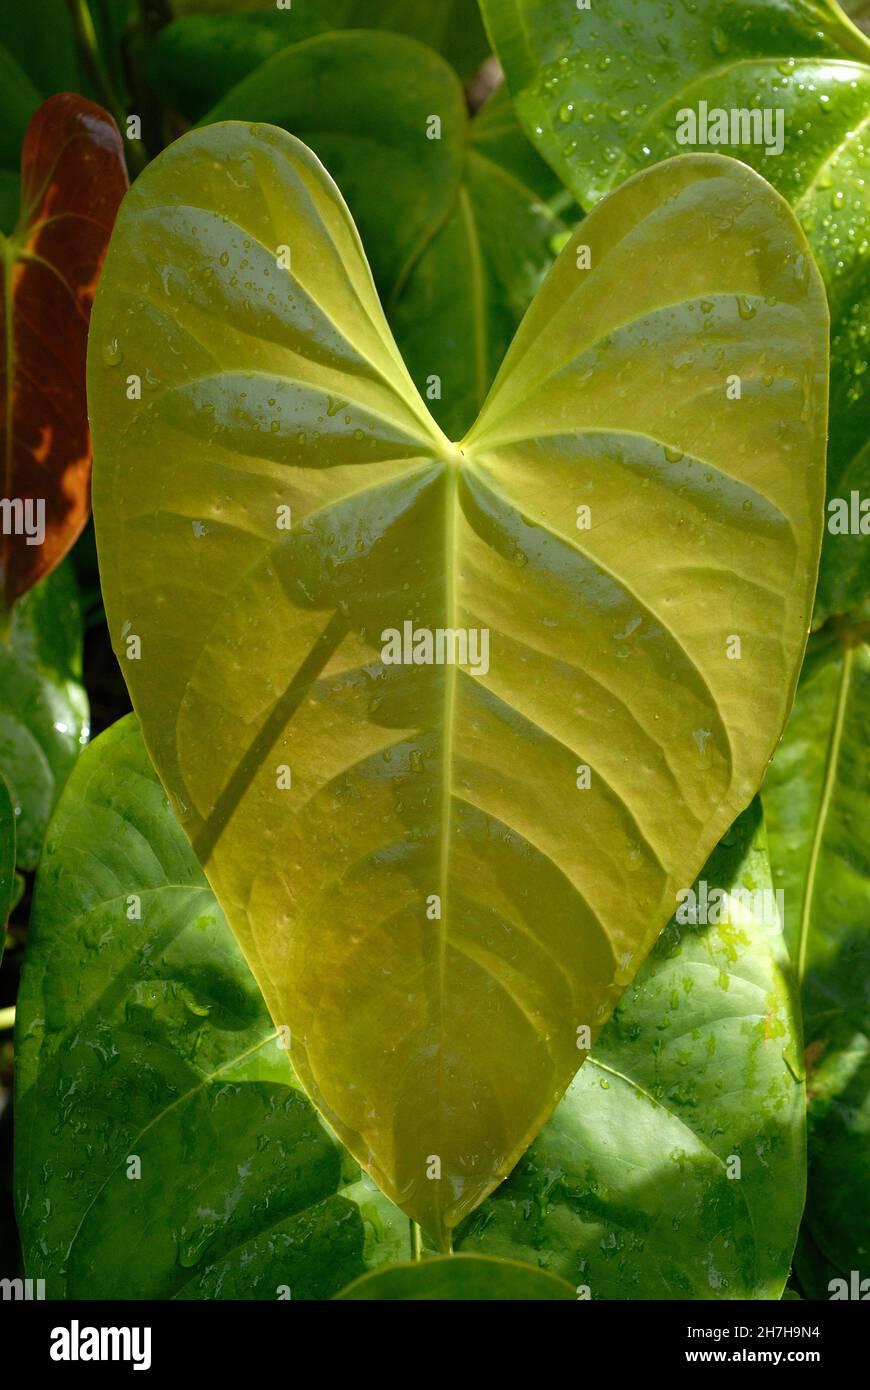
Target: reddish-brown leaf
73,178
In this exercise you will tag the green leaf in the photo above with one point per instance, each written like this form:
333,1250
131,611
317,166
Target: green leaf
818,806
629,1189
340,801
838,1124
18,101
460,233
40,39
814,1273
468,1277
601,92
453,27
7,860
363,103
141,1034
195,60
44,719
456,313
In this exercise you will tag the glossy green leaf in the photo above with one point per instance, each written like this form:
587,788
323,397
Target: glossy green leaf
44,719
339,801
456,270
817,795
453,27
601,92
630,1187
141,1034
466,1277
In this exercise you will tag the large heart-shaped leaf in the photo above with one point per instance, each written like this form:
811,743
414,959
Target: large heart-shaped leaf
143,1047
44,716
430,896
72,179
456,268
603,92
816,795
674,1166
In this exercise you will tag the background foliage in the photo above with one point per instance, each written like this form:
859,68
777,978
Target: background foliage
152,1031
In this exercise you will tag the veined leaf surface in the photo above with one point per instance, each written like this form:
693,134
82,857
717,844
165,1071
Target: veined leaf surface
603,92
73,177
426,898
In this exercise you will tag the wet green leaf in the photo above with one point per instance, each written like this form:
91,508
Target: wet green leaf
44,719
817,796
427,893
630,1187
467,1277
143,1050
601,93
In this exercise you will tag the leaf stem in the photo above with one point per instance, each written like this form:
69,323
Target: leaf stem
416,1241
86,39
831,770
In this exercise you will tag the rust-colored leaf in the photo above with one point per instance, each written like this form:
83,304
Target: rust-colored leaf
73,178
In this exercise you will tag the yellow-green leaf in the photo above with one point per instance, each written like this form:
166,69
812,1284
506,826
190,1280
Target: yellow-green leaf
431,899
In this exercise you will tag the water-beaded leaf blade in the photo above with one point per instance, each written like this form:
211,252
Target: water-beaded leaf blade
427,899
